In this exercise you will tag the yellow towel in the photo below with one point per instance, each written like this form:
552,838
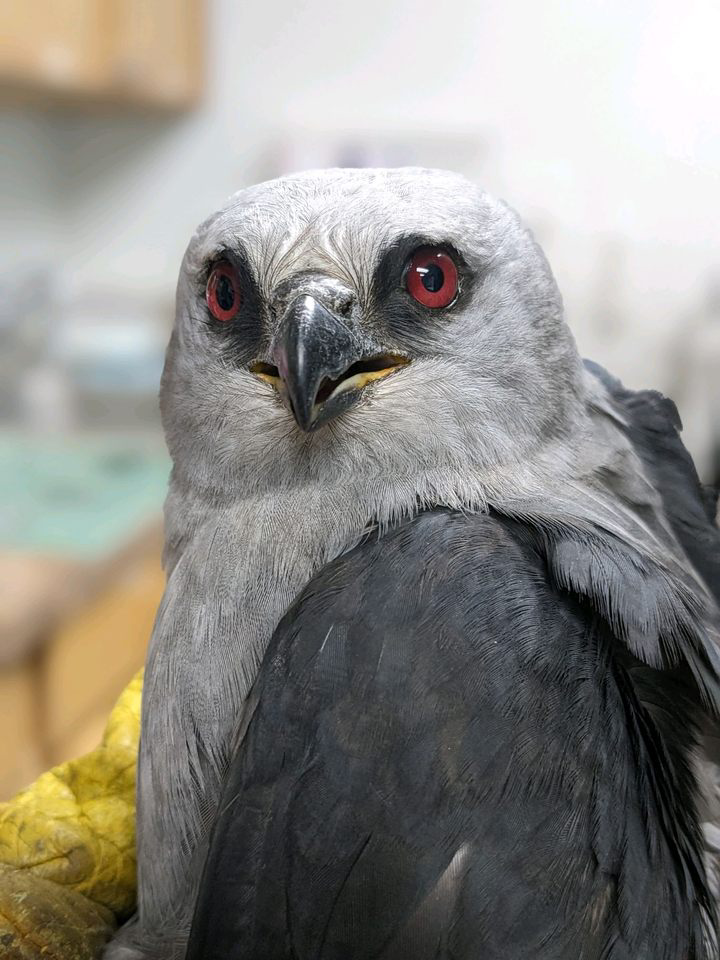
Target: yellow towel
67,848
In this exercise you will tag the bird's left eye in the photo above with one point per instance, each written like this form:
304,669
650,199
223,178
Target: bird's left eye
223,291
432,277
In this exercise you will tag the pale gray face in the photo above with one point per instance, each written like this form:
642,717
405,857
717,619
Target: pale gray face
326,364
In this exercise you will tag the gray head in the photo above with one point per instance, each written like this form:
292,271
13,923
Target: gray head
325,363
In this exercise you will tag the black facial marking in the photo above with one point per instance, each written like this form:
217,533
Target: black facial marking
407,324
246,335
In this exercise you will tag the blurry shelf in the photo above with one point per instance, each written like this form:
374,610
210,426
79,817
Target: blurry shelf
78,496
146,53
72,511
93,654
80,581
55,696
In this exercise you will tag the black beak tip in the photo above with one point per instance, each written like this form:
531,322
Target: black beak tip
313,344
303,416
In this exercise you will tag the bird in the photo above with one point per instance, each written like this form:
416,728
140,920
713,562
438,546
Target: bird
439,642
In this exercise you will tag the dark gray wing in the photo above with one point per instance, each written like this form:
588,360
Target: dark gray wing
449,757
654,427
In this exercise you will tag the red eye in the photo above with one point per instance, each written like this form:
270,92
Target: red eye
223,293
432,277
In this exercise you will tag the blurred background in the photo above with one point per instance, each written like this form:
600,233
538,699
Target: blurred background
123,123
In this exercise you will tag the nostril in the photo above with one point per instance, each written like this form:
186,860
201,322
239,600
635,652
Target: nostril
344,304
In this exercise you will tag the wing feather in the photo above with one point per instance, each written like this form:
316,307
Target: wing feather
452,756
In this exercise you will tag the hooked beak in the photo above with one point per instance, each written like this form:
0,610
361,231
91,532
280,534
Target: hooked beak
321,365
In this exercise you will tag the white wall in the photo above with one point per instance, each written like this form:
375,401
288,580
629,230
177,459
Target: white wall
28,192
599,121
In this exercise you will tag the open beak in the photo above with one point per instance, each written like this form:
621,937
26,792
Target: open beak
321,365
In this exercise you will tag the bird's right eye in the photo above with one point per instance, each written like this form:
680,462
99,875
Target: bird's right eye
223,292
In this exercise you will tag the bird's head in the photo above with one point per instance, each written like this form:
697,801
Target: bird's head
363,323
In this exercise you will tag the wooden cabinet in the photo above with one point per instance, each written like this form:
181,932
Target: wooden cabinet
82,647
144,52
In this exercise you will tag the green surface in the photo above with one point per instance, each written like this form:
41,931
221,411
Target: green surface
78,496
